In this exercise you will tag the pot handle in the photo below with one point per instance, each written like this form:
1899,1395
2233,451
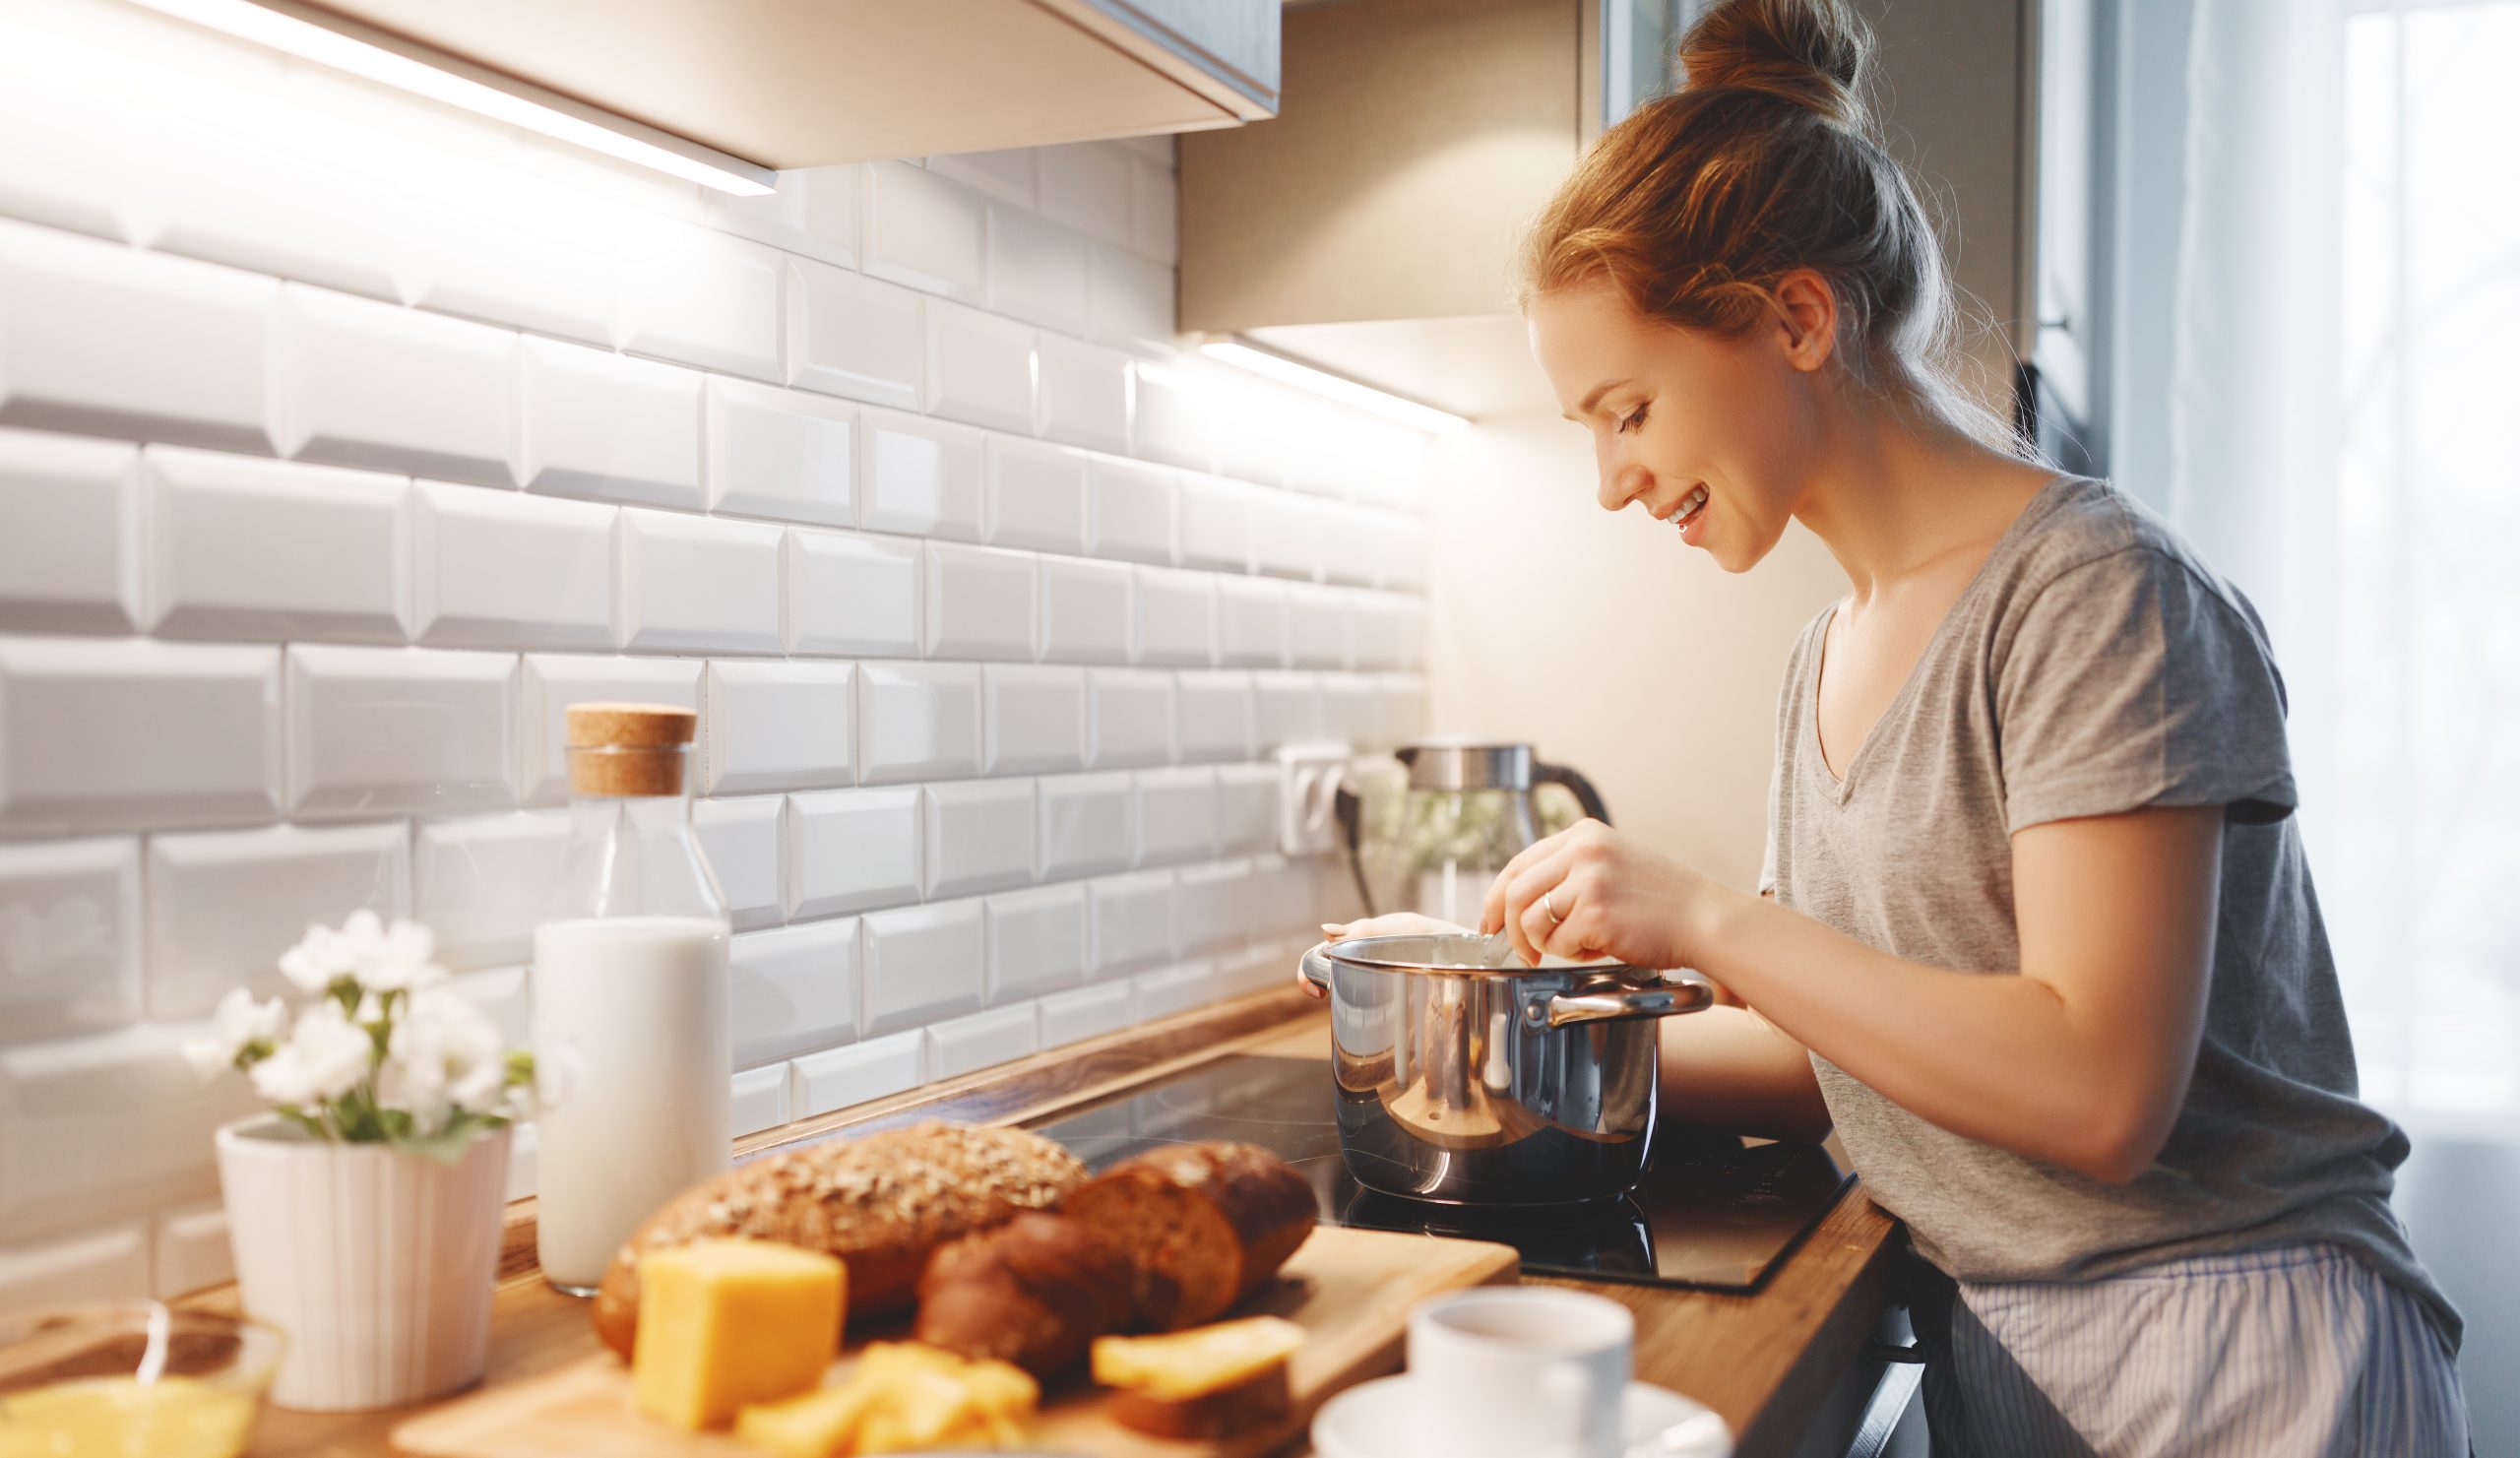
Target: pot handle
1315,967
1666,1000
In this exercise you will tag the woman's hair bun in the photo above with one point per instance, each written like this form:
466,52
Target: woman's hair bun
1813,54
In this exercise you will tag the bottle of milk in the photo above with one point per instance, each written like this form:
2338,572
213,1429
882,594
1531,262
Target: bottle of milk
630,989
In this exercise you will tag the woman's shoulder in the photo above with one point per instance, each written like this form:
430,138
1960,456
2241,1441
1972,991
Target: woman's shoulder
2084,537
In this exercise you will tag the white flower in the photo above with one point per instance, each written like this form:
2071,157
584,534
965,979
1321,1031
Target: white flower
445,1055
379,958
238,1022
325,1057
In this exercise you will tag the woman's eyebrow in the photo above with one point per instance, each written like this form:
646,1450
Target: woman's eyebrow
1594,397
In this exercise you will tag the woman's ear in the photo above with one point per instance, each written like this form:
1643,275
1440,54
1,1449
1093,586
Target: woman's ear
1806,310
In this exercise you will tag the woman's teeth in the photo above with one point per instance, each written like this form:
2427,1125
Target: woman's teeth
1690,506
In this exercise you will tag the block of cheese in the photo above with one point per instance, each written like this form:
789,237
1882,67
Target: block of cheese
730,1322
902,1398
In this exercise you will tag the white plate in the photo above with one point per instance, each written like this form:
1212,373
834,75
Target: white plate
1372,1420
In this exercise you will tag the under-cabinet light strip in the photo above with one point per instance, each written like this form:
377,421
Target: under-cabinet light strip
1287,369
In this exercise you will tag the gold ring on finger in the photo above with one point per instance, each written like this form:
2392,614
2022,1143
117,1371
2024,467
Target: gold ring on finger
1548,903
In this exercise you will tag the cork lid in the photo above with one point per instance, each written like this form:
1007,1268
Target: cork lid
618,748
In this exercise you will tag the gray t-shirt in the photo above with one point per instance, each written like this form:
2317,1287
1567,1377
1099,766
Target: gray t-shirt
2093,666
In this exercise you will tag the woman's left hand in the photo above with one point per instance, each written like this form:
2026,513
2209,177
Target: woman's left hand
1589,891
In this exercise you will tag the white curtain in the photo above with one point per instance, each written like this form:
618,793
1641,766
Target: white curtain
2318,377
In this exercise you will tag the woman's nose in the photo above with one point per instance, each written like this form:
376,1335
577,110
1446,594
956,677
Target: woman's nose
1622,482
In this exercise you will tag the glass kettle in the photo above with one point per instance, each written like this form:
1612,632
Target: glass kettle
1467,811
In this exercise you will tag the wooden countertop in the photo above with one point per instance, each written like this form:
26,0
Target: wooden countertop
1762,1360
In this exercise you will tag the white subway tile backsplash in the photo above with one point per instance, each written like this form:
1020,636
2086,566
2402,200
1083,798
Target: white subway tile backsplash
1035,942
243,547
877,1068
1251,622
1168,419
502,996
1085,611
1212,908
483,882
224,905
1034,495
103,1127
851,850
1216,522
555,681
125,733
1385,627
1176,616
1286,711
1318,625
696,584
781,454
1086,185
87,176
1175,990
1088,825
70,562
794,990
814,212
1351,542
1129,299
760,1099
1155,207
979,602
1037,269
979,836
1006,174
1403,706
925,230
699,298
1213,710
917,722
374,385
384,731
1351,710
1031,720
1287,535
104,339
1128,718
968,1044
496,243
69,943
191,1250
601,424
1177,814
107,1264
922,964
980,368
1131,922
1130,510
852,594
1246,808
1085,1012
919,477
1084,394
744,840
779,726
854,336
494,569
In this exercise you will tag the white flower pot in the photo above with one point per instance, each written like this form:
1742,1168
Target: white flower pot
378,1265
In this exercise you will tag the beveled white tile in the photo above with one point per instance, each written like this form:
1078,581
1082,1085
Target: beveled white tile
1384,625
1170,419
1034,496
694,296
917,722
606,426
919,477
781,454
922,965
967,1044
1084,394
1319,622
1035,942
1212,908
387,730
814,212
116,733
1130,300
1246,808
1085,611
1286,535
92,174
1176,814
70,562
483,882
384,388
1215,522
101,1264
1351,542
1175,990
243,547
1086,185
980,368
979,602
1213,710
70,940
224,905
1036,270
979,836
1403,706
744,840
925,230
191,1250
501,996
1031,720
1158,148
1130,510
1131,922
100,1127
1287,709
500,244
759,1099
793,991
1351,710
778,726
1402,556
555,681
1154,208
1282,909
1006,173
1176,618
825,1083
696,584
1413,634
1088,824
1251,622
1128,718
852,594
851,850
104,339
494,569
854,336
1085,1012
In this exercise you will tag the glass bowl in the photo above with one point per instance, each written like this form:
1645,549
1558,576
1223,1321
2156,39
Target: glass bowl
132,1379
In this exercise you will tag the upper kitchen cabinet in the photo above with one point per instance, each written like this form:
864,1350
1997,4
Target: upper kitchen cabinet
792,83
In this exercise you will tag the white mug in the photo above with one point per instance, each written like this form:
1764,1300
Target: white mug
1520,1372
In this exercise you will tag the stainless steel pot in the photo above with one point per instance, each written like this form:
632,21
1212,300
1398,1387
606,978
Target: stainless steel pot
1469,1084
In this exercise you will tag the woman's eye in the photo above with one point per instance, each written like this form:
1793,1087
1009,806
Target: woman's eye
1630,423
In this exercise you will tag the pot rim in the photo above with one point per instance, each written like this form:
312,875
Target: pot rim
1422,953
263,1133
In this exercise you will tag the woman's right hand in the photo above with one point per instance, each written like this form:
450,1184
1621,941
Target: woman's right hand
1398,924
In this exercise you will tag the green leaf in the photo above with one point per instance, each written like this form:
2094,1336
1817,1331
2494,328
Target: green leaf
449,1144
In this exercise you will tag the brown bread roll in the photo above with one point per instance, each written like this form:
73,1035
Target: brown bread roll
1204,1224
1034,1291
882,1204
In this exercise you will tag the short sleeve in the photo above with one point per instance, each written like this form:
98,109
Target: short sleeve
2132,681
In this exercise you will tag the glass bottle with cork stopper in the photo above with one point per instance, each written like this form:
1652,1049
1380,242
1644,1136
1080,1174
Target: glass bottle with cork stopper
630,995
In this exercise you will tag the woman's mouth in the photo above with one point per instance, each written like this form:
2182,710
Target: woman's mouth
1690,515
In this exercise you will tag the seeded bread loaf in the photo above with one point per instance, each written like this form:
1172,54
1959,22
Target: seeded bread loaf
1205,1225
1033,1291
882,1204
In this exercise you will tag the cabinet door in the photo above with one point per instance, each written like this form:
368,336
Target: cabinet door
1235,40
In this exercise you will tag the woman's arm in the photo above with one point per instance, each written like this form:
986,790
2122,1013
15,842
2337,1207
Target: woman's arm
2082,1060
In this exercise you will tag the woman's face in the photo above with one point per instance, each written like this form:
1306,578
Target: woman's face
1676,412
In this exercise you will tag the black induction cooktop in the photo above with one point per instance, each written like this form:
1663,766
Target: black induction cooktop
1714,1211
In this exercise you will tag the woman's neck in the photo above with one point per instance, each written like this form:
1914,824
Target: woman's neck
1900,495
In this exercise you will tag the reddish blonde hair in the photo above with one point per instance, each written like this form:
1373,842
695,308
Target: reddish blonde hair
1765,162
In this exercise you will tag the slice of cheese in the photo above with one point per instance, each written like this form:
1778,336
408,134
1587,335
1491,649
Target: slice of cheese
1194,1363
722,1323
817,1425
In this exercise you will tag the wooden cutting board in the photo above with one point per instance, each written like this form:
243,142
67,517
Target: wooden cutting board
1350,1289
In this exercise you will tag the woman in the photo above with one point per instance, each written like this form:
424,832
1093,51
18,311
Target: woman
2036,932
